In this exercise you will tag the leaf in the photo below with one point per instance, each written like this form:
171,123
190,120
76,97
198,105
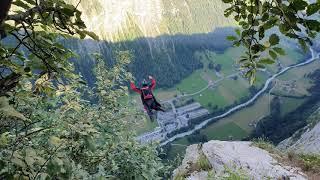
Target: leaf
55,141
270,23
265,16
313,25
280,51
21,4
237,43
273,54
313,8
9,111
30,161
261,66
266,61
299,4
274,39
4,139
251,75
291,35
32,2
68,12
261,32
252,78
18,162
31,152
227,1
231,38
92,35
238,31
303,44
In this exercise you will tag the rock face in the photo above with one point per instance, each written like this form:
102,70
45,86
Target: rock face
227,158
306,140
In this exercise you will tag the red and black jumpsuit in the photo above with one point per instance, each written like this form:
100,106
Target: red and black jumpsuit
148,104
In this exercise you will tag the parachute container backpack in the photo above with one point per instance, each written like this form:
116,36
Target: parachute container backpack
146,92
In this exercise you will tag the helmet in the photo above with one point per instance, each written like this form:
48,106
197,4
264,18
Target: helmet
144,83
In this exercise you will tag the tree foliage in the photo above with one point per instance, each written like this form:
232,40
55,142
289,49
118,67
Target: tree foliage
68,137
258,19
32,49
49,127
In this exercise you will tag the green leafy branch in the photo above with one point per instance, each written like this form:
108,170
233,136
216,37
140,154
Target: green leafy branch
294,19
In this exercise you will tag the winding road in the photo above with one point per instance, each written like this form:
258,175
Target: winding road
204,123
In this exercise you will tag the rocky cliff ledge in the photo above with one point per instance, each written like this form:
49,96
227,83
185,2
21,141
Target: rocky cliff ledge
307,139
221,159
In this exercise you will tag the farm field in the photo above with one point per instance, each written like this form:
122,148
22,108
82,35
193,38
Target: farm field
192,84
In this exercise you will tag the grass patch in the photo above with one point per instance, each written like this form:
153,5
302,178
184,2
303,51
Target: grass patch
235,174
163,95
208,97
192,84
227,93
203,163
310,162
225,132
265,144
233,90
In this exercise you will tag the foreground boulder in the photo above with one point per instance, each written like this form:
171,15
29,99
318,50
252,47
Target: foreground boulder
219,159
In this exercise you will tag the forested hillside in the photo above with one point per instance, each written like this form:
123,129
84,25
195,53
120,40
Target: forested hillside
170,58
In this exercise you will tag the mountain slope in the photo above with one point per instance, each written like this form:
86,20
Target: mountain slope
114,20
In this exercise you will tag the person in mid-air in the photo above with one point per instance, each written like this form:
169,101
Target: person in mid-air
148,100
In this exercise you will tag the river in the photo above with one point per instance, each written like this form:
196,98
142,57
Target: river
240,106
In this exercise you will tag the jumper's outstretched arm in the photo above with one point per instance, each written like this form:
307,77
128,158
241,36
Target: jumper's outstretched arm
153,82
134,88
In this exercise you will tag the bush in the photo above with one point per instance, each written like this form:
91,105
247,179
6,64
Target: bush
311,162
265,144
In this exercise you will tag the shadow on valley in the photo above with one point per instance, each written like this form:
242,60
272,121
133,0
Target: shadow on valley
170,58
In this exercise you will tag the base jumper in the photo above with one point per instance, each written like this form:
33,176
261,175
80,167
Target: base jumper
148,99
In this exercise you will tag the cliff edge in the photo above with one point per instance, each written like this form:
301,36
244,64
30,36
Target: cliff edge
221,159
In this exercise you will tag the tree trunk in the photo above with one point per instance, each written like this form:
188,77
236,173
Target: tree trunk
4,9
